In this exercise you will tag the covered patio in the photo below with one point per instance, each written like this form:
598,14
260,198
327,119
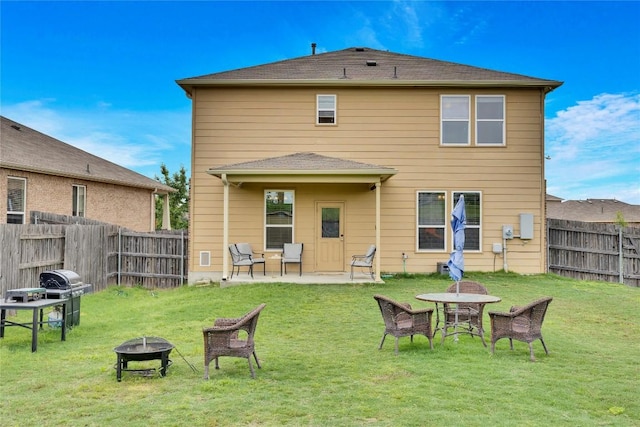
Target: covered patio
303,168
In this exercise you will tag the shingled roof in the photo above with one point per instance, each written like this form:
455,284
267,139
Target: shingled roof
593,210
366,66
308,164
25,149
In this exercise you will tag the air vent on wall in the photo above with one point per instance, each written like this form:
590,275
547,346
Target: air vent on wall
205,259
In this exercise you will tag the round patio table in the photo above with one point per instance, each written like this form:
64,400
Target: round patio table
457,298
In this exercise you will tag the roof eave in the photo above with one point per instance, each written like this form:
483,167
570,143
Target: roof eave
160,189
189,84
238,176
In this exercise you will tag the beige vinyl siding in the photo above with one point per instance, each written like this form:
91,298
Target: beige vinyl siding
396,128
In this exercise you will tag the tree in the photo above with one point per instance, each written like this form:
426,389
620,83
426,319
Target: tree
178,200
620,219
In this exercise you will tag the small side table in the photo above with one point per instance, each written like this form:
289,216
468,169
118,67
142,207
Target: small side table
278,258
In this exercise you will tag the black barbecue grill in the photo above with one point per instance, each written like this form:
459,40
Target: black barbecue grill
65,284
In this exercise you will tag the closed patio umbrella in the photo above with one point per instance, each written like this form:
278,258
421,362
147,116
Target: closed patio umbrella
456,261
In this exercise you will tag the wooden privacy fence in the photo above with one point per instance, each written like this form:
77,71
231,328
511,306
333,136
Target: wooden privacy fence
594,251
102,255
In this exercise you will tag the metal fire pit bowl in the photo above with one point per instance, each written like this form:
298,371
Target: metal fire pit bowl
140,349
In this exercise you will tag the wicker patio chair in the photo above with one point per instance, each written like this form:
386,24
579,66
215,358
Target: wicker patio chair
521,324
400,320
256,257
469,314
364,261
231,337
291,254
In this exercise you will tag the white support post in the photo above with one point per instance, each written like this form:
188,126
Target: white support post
225,226
377,258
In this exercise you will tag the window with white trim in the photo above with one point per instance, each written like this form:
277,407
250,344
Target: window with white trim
431,220
16,200
79,200
278,209
454,124
490,120
326,109
473,212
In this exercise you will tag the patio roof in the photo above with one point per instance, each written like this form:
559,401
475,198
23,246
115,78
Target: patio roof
303,167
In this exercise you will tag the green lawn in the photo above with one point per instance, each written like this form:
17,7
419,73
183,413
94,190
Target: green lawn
318,345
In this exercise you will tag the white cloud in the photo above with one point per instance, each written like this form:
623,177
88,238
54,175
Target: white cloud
137,140
407,14
595,149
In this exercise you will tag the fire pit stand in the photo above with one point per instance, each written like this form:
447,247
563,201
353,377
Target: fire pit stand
141,349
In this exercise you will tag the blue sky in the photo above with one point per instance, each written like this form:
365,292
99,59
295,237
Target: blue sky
101,75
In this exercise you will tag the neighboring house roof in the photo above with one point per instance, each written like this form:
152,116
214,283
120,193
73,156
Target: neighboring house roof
25,149
593,210
315,166
551,198
358,66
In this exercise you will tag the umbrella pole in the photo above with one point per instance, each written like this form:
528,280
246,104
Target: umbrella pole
455,323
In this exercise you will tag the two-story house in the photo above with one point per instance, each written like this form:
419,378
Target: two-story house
39,173
359,146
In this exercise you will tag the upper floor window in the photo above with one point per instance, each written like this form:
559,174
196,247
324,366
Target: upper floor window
16,200
79,200
490,120
431,220
454,126
278,208
326,109
455,123
472,203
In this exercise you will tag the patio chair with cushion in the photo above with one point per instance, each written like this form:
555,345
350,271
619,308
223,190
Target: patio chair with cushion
256,257
291,254
364,261
521,324
231,337
240,260
400,320
469,314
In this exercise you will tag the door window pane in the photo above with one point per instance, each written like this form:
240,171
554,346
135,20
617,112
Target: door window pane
330,222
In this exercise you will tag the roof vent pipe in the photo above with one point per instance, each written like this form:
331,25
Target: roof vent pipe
313,48
395,73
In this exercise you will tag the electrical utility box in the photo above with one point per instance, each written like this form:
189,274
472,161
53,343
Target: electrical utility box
507,231
526,226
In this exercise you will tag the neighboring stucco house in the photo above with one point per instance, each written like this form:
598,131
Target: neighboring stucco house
604,211
359,146
41,173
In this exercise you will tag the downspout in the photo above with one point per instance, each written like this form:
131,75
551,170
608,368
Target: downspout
152,214
225,228
377,258
544,267
166,217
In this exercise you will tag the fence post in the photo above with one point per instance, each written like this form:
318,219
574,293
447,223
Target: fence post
119,253
182,258
620,255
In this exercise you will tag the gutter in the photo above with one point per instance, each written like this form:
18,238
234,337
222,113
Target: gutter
189,84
